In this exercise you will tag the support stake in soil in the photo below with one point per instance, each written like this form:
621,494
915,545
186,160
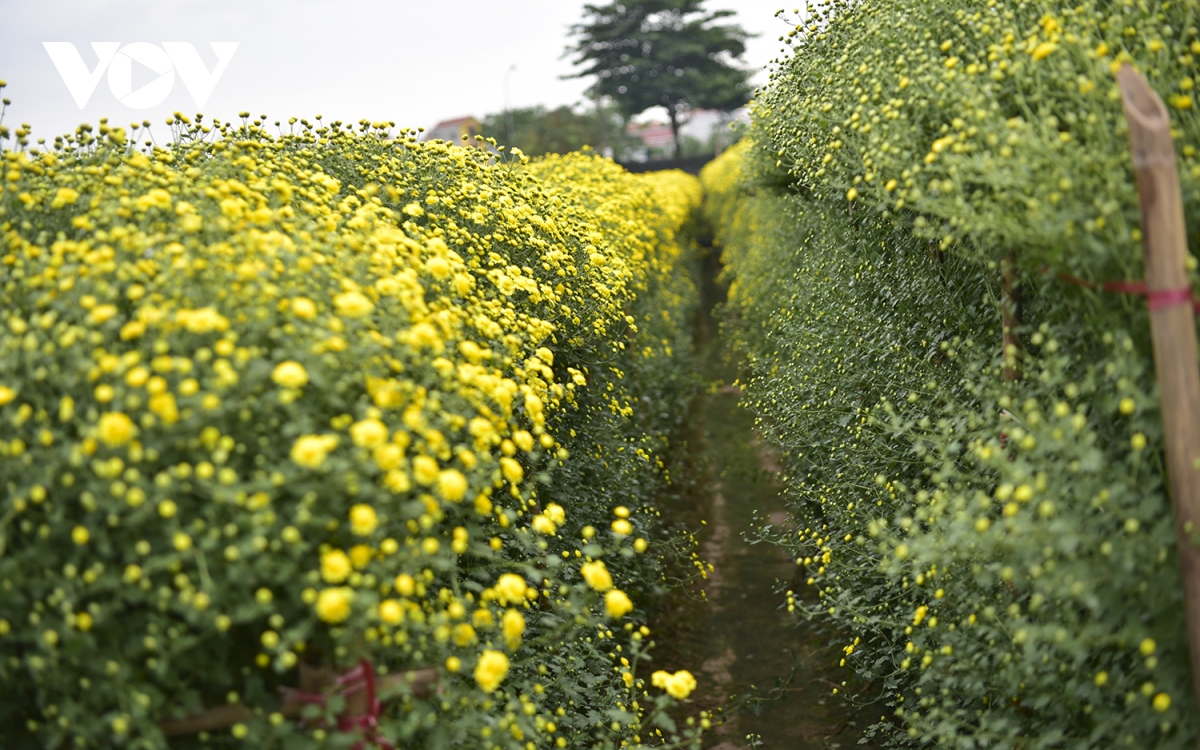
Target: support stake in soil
1172,324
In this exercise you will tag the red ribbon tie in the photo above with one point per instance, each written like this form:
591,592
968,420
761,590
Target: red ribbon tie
1161,298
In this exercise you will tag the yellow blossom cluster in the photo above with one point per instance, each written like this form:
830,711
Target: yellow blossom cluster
678,685
310,399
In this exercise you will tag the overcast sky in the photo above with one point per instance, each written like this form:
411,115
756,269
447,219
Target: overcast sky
411,62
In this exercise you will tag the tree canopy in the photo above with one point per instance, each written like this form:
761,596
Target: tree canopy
668,53
538,130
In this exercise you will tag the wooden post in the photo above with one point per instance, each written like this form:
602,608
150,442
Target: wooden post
208,720
1172,325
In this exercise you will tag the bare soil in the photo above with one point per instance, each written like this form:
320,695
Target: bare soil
767,675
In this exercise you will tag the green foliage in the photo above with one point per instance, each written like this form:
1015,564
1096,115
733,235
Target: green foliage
1001,553
662,53
538,131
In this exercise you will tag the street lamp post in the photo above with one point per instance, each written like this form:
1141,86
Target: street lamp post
602,122
508,118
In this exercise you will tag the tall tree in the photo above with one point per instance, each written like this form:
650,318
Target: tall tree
668,53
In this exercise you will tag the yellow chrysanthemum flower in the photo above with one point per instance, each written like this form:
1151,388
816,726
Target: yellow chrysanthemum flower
115,429
391,612
353,305
304,308
310,451
596,575
512,624
290,374
510,588
333,605
335,566
369,433
617,604
451,485
491,670
425,470
363,519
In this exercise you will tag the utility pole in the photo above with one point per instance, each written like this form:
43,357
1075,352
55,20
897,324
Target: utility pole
602,122
508,118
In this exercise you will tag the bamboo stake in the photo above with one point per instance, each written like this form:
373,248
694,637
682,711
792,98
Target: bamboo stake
1172,325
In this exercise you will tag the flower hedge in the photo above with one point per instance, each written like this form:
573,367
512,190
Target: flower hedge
998,551
334,398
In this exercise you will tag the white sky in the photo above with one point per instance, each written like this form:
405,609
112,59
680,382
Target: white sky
411,62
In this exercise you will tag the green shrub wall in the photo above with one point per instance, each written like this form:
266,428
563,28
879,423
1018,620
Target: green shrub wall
330,398
1000,554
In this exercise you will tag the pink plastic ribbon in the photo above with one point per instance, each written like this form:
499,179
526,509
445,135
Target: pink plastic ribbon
1156,299
362,677
1160,298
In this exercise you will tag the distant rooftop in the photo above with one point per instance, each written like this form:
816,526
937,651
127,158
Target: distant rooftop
453,131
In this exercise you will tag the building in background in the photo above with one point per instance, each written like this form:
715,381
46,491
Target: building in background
705,132
454,131
655,138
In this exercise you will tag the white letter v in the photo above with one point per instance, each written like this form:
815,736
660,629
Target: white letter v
80,81
199,81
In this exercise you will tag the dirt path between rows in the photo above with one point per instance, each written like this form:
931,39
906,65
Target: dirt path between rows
771,673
